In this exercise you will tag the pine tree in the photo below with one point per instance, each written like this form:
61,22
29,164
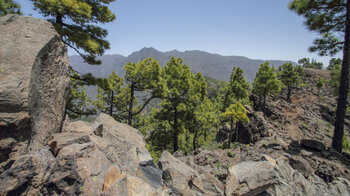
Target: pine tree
306,63
334,62
201,118
183,89
331,18
290,76
78,102
74,21
111,98
9,7
266,81
237,89
144,76
235,113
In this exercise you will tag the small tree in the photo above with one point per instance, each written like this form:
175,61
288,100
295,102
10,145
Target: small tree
9,7
74,21
144,76
235,113
290,76
78,101
111,98
306,63
237,89
266,81
319,85
333,63
201,119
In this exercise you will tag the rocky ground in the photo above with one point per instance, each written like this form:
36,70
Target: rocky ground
284,151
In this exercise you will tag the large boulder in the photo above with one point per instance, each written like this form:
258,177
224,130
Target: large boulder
182,179
34,84
250,178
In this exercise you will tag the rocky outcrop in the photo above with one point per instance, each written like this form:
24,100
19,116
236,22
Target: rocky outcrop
77,161
64,158
34,85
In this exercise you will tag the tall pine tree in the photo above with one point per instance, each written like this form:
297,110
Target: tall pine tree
146,77
266,81
330,18
290,76
74,20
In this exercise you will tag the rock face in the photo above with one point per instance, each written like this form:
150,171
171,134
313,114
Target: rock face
34,85
250,178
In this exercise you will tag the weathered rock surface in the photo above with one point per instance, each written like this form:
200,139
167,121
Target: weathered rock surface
34,85
250,178
182,179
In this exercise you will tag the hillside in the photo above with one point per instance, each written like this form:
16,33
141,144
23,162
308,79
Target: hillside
212,65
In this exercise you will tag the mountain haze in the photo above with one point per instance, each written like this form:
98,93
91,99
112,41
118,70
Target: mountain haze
211,65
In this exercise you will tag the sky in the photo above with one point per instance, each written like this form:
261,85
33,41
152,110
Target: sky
257,29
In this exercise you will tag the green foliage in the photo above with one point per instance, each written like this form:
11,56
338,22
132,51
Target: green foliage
74,21
214,87
78,102
237,112
333,63
306,63
9,7
346,144
237,89
266,81
184,92
326,17
290,76
335,78
111,98
144,76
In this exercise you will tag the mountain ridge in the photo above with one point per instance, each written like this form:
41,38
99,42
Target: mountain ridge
209,64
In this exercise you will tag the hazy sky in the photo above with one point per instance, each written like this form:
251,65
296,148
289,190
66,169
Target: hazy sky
258,29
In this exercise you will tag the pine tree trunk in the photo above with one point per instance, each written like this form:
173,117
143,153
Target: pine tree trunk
175,132
131,102
194,140
111,106
230,134
343,88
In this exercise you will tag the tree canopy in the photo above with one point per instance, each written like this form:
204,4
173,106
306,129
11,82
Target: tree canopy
144,76
266,81
237,89
306,63
9,7
74,20
290,76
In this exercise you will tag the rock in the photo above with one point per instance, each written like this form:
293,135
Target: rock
98,128
182,179
313,145
27,174
222,133
250,178
34,85
301,165
212,185
306,153
34,81
61,140
150,173
114,130
78,126
253,131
